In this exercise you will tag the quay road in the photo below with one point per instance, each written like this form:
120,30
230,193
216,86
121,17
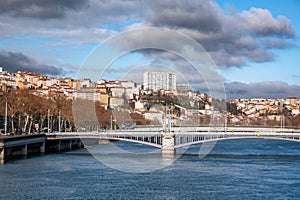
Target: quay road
25,145
21,146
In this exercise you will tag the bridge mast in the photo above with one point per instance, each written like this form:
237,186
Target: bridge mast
168,140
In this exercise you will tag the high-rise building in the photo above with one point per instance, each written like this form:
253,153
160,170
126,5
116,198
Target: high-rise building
159,80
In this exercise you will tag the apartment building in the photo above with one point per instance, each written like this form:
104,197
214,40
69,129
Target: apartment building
159,80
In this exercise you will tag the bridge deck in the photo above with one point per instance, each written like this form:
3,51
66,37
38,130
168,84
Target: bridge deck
155,138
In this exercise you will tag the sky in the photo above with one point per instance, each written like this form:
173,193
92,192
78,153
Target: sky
254,44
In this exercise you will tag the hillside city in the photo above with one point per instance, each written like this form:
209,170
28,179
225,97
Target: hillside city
149,99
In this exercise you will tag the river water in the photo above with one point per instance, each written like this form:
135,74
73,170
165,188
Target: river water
234,169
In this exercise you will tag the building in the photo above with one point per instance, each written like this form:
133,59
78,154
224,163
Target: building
291,100
159,80
91,95
116,102
154,117
104,100
85,83
183,88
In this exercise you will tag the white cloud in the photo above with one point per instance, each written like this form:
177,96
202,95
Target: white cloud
233,40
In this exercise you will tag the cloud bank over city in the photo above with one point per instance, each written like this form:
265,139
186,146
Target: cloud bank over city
65,31
272,89
16,61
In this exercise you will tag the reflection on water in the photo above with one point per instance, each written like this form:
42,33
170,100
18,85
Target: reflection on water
131,157
235,169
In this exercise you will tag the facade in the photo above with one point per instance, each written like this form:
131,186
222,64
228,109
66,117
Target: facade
117,91
183,88
154,116
85,83
87,95
116,102
159,80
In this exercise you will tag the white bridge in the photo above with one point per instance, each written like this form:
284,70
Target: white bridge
169,141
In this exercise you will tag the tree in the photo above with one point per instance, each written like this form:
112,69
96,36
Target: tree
232,108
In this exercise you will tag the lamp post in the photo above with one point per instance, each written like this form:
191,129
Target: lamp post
59,120
48,121
5,119
111,122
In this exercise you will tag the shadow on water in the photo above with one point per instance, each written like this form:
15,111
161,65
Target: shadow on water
249,156
228,149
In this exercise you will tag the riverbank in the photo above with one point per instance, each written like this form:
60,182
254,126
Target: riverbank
22,146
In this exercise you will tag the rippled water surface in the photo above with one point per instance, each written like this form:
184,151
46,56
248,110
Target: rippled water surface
234,169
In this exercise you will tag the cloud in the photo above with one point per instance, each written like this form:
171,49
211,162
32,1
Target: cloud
277,43
236,39
67,21
188,14
15,61
232,40
261,22
77,37
269,89
41,9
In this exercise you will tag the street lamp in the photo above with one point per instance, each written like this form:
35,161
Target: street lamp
5,119
48,121
59,112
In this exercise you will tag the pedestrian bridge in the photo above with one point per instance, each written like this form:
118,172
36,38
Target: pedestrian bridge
169,141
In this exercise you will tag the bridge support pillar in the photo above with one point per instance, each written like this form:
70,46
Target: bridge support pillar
24,150
103,141
168,144
42,148
79,143
2,155
70,145
58,146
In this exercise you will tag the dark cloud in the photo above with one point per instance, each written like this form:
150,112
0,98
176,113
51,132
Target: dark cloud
223,59
188,14
232,40
15,61
271,89
43,9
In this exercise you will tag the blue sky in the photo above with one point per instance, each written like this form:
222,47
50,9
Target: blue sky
253,43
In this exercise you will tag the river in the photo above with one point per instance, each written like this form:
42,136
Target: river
234,169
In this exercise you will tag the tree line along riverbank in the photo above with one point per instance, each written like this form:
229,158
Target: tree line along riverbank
28,113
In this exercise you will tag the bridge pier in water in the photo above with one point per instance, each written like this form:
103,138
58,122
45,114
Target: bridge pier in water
61,145
168,144
1,155
103,141
24,151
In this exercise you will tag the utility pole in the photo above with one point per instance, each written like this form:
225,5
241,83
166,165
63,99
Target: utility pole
59,121
283,121
111,122
48,120
225,127
5,119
